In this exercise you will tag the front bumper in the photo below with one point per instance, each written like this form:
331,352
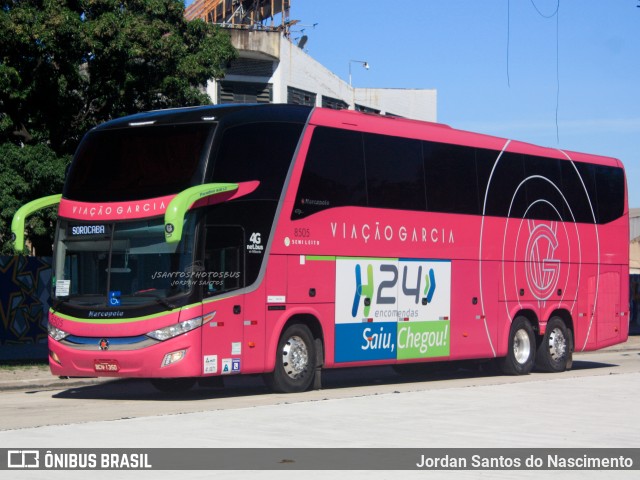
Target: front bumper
108,357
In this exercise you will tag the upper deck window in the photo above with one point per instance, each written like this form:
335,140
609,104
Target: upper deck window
350,168
260,151
134,163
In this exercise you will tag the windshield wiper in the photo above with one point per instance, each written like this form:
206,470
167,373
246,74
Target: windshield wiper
161,300
165,303
67,299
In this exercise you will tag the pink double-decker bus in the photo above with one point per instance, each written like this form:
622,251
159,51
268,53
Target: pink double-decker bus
277,239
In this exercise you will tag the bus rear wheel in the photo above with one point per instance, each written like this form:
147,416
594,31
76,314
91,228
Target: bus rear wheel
521,352
295,361
555,349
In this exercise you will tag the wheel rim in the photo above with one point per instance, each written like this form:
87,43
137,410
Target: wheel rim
295,357
557,344
521,346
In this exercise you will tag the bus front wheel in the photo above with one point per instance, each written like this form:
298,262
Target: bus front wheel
555,350
521,351
295,361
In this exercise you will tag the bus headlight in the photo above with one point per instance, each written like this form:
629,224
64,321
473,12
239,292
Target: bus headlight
179,328
173,357
56,333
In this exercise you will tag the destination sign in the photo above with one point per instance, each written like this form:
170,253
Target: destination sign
81,230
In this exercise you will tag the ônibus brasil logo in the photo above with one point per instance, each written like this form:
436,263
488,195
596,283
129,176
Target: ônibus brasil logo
386,288
542,268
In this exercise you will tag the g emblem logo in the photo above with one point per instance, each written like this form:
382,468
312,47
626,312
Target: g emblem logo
542,269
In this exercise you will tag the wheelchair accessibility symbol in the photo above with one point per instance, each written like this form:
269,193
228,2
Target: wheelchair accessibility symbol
114,298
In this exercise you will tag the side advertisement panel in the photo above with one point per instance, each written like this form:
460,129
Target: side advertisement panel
389,308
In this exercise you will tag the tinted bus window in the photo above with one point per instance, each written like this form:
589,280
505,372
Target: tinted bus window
139,162
237,234
452,184
485,159
543,187
457,179
610,187
579,184
395,172
506,196
333,174
224,258
257,151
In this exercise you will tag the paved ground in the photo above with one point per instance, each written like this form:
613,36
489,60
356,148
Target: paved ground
39,376
592,410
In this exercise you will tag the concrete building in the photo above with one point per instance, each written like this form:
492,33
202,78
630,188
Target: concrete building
634,239
273,69
634,270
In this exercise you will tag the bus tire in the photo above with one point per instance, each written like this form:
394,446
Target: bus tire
555,349
295,361
521,351
173,385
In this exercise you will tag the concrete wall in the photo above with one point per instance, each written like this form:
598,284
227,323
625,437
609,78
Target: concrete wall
417,104
299,70
634,257
295,68
256,44
634,223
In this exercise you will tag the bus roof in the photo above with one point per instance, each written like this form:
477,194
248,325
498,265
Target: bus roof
439,132
351,120
208,113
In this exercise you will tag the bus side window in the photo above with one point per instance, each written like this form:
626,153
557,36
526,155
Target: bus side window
609,184
451,178
334,173
506,195
544,189
223,259
395,173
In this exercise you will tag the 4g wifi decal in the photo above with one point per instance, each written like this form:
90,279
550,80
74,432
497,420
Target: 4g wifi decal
255,243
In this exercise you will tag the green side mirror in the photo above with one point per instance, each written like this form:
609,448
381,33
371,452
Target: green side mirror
185,200
17,224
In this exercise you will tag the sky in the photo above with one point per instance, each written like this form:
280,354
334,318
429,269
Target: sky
508,68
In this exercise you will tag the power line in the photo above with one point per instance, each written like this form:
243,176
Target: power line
557,14
542,14
508,39
549,16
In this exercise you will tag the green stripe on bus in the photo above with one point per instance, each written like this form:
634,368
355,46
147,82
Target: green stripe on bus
116,320
368,258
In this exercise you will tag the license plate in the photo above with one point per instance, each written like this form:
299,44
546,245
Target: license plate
106,366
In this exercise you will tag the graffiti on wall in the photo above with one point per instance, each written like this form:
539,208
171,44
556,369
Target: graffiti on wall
24,300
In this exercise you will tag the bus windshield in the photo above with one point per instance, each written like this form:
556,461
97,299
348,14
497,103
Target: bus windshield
121,263
142,162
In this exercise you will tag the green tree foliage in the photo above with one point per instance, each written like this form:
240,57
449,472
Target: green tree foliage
68,65
26,173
